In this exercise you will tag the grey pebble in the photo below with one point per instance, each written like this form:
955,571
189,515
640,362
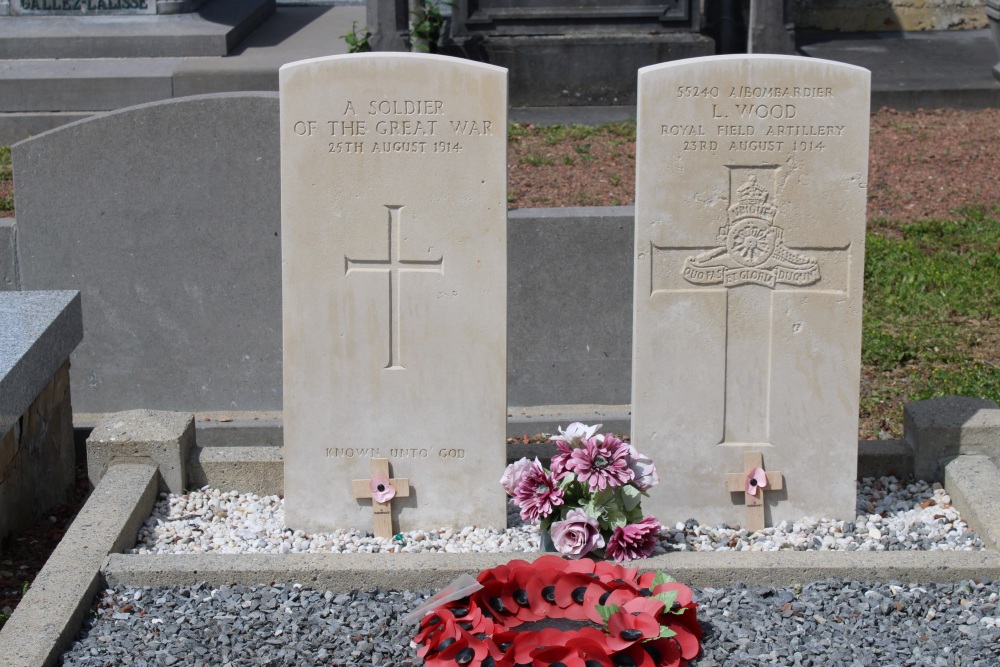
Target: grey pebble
829,622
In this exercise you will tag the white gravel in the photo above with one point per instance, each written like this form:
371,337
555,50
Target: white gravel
892,515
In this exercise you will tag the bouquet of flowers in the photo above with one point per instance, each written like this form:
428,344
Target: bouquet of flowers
589,499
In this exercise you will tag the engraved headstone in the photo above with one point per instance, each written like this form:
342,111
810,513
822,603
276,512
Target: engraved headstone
750,220
394,259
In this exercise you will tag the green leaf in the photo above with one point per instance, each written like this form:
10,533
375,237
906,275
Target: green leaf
615,516
630,497
634,515
661,578
604,497
607,611
666,632
668,598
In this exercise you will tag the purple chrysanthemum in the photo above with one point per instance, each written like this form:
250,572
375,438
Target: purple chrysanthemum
601,464
633,541
537,493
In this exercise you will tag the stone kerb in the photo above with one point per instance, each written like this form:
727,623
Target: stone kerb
940,429
49,616
163,439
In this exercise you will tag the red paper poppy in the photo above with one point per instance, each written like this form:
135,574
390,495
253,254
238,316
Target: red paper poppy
625,629
480,630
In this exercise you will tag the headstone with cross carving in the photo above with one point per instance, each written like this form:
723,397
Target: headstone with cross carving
750,220
393,234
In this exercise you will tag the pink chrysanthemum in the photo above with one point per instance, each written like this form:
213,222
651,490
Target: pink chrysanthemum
601,464
537,493
633,541
559,459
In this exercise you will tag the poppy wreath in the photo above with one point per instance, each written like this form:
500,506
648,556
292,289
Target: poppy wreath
646,620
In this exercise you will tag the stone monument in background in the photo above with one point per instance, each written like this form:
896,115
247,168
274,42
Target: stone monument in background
561,52
97,7
394,289
749,259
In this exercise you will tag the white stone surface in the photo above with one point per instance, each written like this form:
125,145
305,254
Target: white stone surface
394,263
891,516
750,219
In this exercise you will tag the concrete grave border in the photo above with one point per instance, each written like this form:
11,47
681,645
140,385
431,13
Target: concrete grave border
91,555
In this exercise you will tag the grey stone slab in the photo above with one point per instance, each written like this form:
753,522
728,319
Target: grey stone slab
156,437
257,470
15,127
771,27
972,482
536,419
229,462
583,115
569,323
38,330
83,85
173,238
292,33
346,572
944,68
881,458
213,31
8,255
50,614
939,429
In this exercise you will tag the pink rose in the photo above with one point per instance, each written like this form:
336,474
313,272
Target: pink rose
577,535
513,474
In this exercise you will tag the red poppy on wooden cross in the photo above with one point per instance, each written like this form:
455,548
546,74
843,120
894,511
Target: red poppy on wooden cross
752,483
381,490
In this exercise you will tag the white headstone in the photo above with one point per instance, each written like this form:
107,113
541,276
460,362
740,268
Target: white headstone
394,265
750,221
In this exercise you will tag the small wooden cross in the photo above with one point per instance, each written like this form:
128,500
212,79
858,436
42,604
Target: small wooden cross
738,481
362,489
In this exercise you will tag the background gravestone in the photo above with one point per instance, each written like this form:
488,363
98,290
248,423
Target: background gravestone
180,267
393,173
750,220
165,217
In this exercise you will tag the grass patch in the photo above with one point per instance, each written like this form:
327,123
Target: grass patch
6,176
554,135
536,161
931,294
6,168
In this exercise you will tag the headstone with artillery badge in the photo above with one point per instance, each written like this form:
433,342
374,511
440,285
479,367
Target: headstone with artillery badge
750,220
